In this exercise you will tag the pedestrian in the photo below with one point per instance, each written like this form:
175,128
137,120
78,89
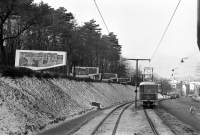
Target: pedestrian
192,110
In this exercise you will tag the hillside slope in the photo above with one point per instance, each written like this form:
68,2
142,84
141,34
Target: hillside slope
29,105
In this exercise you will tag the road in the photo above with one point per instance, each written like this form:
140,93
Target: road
180,108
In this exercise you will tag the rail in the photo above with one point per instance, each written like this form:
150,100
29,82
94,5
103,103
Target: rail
151,123
117,122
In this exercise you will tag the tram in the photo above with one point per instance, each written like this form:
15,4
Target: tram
148,94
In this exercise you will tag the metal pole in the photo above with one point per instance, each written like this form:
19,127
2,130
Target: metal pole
198,23
152,74
161,85
181,87
136,81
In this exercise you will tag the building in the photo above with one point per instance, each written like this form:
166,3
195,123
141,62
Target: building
195,89
179,87
173,83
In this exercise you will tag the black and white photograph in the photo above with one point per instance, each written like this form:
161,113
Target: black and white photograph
99,67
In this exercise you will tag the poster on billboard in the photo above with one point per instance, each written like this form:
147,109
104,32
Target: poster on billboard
38,60
124,80
85,71
109,76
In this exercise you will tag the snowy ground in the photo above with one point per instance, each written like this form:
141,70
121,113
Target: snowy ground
29,105
134,122
162,96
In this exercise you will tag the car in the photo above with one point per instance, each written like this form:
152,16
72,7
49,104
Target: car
177,95
172,95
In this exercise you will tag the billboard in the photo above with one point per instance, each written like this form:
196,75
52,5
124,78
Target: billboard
124,80
85,71
108,76
38,60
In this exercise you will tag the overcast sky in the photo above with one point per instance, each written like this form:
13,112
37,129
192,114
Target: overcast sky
139,26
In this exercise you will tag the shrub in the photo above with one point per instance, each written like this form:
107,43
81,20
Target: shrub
46,75
38,75
55,75
63,76
17,72
26,71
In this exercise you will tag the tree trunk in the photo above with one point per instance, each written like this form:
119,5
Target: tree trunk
3,52
74,66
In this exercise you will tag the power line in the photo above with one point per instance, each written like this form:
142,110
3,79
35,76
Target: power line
166,29
101,16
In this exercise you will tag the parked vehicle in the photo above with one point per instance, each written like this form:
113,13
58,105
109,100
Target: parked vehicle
177,95
172,95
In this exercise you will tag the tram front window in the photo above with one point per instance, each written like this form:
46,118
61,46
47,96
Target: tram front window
149,89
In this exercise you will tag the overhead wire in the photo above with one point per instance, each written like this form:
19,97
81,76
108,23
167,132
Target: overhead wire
101,16
166,29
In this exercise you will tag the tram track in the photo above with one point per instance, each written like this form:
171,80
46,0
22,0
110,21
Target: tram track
151,123
115,111
125,119
172,129
158,126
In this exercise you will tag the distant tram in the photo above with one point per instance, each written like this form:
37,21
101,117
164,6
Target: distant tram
148,94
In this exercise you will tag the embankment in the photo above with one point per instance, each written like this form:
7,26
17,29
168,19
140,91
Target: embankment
29,105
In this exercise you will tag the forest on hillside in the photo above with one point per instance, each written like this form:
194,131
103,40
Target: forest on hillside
26,25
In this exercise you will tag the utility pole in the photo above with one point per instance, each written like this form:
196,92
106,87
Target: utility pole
152,74
136,80
161,85
198,23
